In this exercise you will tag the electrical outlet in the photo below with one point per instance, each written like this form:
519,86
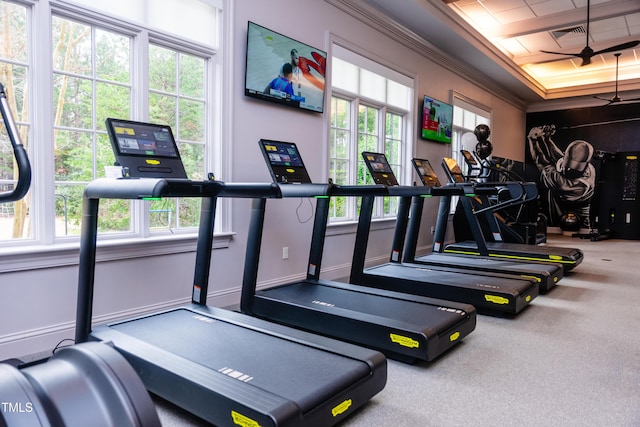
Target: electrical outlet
285,252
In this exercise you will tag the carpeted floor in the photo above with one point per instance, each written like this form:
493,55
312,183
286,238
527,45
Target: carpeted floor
570,359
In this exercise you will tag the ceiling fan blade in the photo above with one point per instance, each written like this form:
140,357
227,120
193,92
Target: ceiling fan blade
630,100
618,47
562,53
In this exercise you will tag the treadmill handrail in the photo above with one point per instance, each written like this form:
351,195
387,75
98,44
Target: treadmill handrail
22,160
141,188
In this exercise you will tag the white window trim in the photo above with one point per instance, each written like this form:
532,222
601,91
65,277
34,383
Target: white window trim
391,71
44,249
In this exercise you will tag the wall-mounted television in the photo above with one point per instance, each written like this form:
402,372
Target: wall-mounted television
437,120
283,70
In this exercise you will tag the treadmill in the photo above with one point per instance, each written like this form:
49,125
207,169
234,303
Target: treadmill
404,327
569,258
546,275
225,367
490,295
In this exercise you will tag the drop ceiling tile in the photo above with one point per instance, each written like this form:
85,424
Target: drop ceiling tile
496,6
514,15
552,6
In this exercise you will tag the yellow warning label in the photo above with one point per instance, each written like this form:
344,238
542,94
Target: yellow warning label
496,299
528,298
454,336
242,420
555,257
152,162
291,170
404,341
342,408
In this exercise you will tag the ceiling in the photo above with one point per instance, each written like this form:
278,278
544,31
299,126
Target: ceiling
503,39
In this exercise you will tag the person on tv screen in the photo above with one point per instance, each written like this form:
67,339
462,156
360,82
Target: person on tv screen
282,83
296,72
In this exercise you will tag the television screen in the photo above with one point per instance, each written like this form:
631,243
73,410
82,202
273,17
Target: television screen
283,70
437,119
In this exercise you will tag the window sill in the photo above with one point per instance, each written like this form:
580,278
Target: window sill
38,257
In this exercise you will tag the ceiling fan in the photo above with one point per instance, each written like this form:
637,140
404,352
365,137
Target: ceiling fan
616,98
587,53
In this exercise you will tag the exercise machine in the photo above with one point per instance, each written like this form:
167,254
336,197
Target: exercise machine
225,367
545,274
490,295
494,245
404,327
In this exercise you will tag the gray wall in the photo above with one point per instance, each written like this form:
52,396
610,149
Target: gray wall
38,306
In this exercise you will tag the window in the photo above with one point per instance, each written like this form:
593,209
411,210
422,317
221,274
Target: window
15,71
101,66
466,116
371,107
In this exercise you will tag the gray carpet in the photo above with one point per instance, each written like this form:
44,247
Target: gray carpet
570,359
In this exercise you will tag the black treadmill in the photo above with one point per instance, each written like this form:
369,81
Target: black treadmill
546,275
404,327
225,367
569,258
490,295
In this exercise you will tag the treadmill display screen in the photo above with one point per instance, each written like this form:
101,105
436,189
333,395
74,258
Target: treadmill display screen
453,170
379,168
427,175
283,154
284,161
143,139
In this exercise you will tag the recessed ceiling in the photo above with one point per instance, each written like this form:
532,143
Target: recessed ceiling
504,38
521,29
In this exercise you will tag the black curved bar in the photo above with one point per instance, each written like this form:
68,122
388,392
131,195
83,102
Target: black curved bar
22,160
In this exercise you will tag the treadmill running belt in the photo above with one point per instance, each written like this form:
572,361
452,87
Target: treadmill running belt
439,318
262,360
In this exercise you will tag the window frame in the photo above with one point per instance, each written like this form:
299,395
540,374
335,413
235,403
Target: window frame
27,253
384,108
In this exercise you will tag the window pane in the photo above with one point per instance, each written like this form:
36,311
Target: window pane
104,154
71,47
340,116
469,121
162,69
191,120
372,85
344,75
178,100
15,31
398,95
73,102
193,158
68,209
114,215
162,109
458,116
114,53
73,156
111,101
14,217
191,76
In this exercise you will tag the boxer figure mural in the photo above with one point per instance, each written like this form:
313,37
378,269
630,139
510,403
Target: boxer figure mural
568,176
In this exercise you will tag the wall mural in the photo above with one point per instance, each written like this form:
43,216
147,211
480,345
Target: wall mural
563,153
